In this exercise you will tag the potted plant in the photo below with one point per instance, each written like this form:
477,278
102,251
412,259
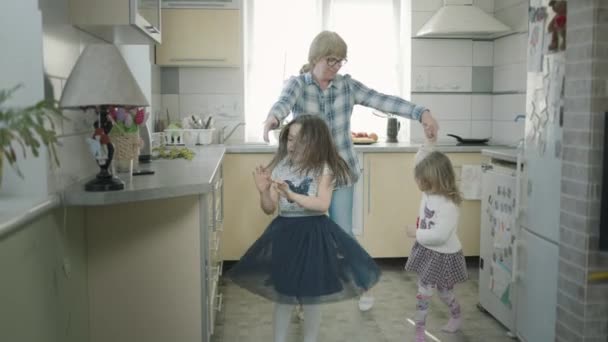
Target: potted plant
29,127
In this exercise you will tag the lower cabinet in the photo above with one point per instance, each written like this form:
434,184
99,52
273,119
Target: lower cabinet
392,199
153,268
245,221
145,269
213,217
391,202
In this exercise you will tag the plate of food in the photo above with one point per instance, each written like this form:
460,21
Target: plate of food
362,138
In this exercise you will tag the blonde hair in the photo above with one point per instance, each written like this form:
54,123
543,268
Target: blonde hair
326,43
435,175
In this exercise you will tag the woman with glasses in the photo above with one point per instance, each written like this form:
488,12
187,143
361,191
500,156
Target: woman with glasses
321,90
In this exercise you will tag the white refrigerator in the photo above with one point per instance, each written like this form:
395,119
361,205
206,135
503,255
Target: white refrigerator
538,239
519,273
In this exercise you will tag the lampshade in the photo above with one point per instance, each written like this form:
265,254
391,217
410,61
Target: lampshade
101,77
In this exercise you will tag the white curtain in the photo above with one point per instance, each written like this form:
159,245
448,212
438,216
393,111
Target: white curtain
277,37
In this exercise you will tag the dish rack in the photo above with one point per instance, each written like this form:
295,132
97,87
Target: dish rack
188,137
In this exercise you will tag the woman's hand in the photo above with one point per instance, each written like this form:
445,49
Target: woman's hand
270,124
262,179
430,126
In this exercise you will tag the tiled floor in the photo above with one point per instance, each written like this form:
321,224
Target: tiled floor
247,317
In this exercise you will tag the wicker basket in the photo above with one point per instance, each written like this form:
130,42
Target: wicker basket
126,149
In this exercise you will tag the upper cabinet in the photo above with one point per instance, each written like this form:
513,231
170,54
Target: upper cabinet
200,37
119,21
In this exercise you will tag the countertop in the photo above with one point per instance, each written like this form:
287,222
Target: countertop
382,147
172,178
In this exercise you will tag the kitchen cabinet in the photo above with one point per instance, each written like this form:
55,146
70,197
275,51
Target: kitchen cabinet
392,199
213,226
153,261
245,221
200,37
118,21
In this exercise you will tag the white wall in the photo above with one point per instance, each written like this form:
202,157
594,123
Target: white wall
41,57
509,99
475,88
204,91
22,64
43,292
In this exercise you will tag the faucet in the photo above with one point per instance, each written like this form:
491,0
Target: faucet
223,136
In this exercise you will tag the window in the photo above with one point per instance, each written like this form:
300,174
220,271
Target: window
278,34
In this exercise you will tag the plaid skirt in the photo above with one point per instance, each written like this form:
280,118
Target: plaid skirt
438,269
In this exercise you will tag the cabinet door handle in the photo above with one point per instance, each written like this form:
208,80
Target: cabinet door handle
369,188
152,29
198,59
220,297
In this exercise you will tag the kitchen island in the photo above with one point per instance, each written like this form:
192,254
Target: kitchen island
152,266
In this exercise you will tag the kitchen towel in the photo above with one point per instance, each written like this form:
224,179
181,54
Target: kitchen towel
470,182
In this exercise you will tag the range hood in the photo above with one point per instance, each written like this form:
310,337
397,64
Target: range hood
460,19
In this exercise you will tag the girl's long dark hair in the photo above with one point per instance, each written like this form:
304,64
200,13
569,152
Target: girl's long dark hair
316,148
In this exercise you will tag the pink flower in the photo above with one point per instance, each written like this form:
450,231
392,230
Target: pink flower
139,116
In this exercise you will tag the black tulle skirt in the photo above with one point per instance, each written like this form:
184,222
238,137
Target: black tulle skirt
305,260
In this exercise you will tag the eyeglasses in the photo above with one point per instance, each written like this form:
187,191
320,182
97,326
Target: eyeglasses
333,61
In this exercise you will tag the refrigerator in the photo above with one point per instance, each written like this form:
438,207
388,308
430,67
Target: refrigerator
518,280
538,239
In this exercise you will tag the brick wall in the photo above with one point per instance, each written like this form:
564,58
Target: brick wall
582,311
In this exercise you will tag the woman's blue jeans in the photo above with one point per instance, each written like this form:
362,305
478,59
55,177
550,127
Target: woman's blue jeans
341,208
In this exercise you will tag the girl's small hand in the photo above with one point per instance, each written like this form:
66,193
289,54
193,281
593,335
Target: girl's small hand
261,177
283,189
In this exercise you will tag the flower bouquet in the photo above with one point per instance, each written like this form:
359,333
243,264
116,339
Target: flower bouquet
125,133
128,119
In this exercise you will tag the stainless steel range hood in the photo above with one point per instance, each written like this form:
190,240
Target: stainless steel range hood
460,19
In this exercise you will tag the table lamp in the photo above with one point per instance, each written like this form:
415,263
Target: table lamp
101,79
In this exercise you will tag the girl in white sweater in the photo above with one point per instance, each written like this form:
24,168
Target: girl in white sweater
437,254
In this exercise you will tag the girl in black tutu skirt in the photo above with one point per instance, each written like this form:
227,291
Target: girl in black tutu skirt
303,257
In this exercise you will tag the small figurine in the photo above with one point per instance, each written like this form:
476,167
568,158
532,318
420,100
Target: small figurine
557,25
100,144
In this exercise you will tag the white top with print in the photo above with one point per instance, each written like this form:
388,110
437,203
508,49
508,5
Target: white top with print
438,223
305,184
437,218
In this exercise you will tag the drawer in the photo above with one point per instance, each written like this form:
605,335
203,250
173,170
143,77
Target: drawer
214,248
215,296
216,212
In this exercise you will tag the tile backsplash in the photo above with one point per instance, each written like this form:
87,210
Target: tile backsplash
475,88
218,92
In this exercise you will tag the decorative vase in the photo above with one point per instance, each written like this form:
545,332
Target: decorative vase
126,150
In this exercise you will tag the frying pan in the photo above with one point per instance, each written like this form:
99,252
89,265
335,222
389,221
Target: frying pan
469,141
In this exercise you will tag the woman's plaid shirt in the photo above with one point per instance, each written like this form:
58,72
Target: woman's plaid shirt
302,95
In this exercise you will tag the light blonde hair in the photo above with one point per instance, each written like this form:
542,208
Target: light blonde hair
435,175
325,44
